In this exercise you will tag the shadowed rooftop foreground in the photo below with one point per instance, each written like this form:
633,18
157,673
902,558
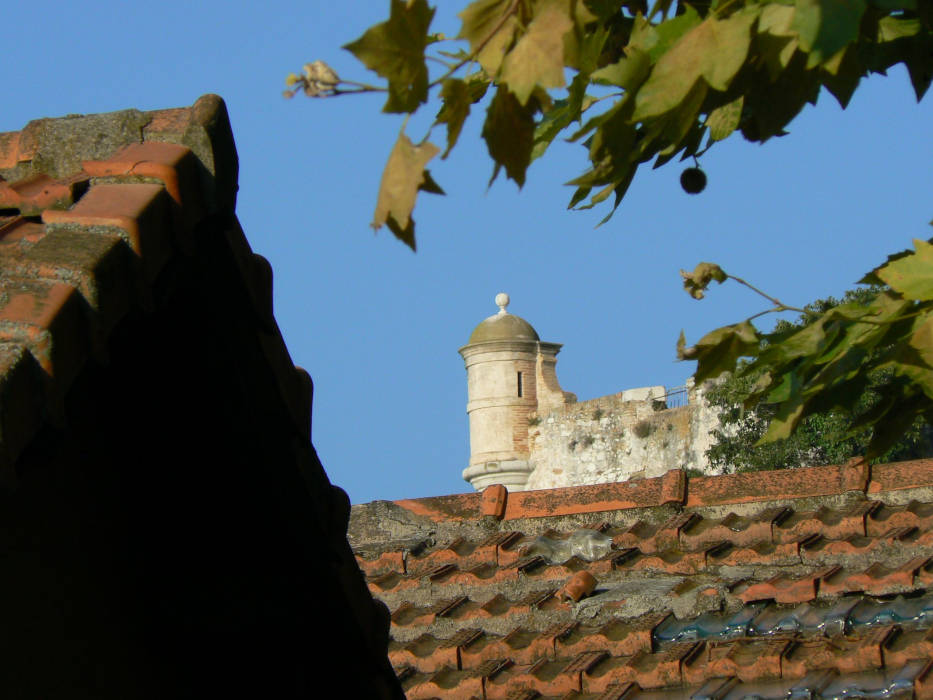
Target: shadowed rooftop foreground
166,527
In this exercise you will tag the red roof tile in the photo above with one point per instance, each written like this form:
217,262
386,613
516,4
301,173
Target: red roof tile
743,585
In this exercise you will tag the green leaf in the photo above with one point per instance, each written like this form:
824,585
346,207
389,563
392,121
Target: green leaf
669,32
561,115
628,72
719,350
842,74
679,122
619,189
509,134
715,50
538,57
912,274
403,176
906,41
827,26
455,108
723,120
922,339
489,26
770,107
395,50
588,49
784,421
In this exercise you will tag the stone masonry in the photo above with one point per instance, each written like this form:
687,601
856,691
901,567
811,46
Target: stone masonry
527,433
629,435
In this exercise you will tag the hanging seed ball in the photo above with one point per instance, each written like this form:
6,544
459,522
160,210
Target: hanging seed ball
693,180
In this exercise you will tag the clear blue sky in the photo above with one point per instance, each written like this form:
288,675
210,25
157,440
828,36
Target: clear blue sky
377,326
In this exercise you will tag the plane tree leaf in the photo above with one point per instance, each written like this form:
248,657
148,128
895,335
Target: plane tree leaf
725,119
457,96
715,49
538,57
912,274
509,133
718,351
395,50
826,26
403,176
696,282
490,27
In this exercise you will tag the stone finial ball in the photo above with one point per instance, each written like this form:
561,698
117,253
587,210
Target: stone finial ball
502,300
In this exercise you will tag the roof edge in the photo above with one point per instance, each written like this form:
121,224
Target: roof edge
676,488
57,147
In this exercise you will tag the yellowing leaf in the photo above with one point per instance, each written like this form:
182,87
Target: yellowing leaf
644,36
395,50
696,282
912,274
403,176
489,26
777,40
538,57
777,20
509,133
715,50
723,120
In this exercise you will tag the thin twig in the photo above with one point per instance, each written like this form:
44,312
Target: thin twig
779,305
364,86
482,45
358,91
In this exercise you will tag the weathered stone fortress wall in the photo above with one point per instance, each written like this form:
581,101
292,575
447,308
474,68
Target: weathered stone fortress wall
629,435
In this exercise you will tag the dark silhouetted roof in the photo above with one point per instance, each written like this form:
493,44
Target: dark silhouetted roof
165,525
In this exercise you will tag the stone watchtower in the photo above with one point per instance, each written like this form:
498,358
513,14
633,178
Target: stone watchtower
510,375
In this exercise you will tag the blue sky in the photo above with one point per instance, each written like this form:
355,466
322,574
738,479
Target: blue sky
379,327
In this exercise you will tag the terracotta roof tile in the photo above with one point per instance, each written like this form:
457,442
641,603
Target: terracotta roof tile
117,197
812,580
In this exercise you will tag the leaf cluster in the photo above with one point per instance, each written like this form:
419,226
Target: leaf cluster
828,437
631,83
867,360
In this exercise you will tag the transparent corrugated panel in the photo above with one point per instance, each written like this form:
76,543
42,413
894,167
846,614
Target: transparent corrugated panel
707,626
829,620
586,544
916,612
884,685
761,690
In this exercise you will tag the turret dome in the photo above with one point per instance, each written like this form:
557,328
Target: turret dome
503,326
